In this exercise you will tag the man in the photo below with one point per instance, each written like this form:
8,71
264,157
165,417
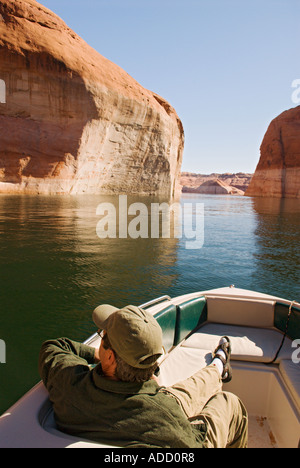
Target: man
120,403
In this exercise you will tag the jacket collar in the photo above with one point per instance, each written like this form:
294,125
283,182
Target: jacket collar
124,388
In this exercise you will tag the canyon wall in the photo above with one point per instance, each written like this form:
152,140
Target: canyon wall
74,122
278,171
235,184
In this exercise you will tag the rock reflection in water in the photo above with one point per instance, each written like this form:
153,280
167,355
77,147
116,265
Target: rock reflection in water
278,238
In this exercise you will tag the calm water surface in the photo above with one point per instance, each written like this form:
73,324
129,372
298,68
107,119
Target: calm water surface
54,269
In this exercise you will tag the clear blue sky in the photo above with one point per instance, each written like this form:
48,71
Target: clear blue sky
227,66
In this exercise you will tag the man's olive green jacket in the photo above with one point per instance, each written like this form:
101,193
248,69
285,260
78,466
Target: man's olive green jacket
90,406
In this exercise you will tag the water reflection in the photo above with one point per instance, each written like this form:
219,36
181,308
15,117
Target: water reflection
54,270
277,239
55,255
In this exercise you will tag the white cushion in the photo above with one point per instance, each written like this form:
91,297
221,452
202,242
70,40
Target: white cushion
182,363
245,312
248,343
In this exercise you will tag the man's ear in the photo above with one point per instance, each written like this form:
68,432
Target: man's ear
111,355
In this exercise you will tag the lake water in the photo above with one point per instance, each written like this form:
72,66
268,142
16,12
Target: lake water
55,270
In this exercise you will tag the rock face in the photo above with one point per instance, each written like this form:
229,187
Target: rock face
74,122
215,187
235,184
278,171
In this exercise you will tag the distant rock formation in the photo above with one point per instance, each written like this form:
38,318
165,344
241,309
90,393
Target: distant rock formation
217,187
74,122
278,171
232,184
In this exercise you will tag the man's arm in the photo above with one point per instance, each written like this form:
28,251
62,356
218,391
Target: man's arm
64,360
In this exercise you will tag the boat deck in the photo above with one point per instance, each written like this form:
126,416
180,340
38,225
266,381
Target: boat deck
260,434
264,376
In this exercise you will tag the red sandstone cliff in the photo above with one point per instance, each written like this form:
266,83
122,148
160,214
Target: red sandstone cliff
73,121
278,171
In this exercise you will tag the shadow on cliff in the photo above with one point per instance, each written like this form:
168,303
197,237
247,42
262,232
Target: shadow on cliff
41,125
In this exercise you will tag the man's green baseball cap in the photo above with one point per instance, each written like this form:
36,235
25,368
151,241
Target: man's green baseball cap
134,334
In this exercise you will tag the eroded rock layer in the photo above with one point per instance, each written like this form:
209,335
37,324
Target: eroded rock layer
278,171
74,122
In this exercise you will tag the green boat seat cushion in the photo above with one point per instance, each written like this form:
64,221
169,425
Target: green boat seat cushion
167,320
190,315
281,317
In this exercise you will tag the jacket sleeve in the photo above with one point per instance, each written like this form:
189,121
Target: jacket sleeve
63,361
